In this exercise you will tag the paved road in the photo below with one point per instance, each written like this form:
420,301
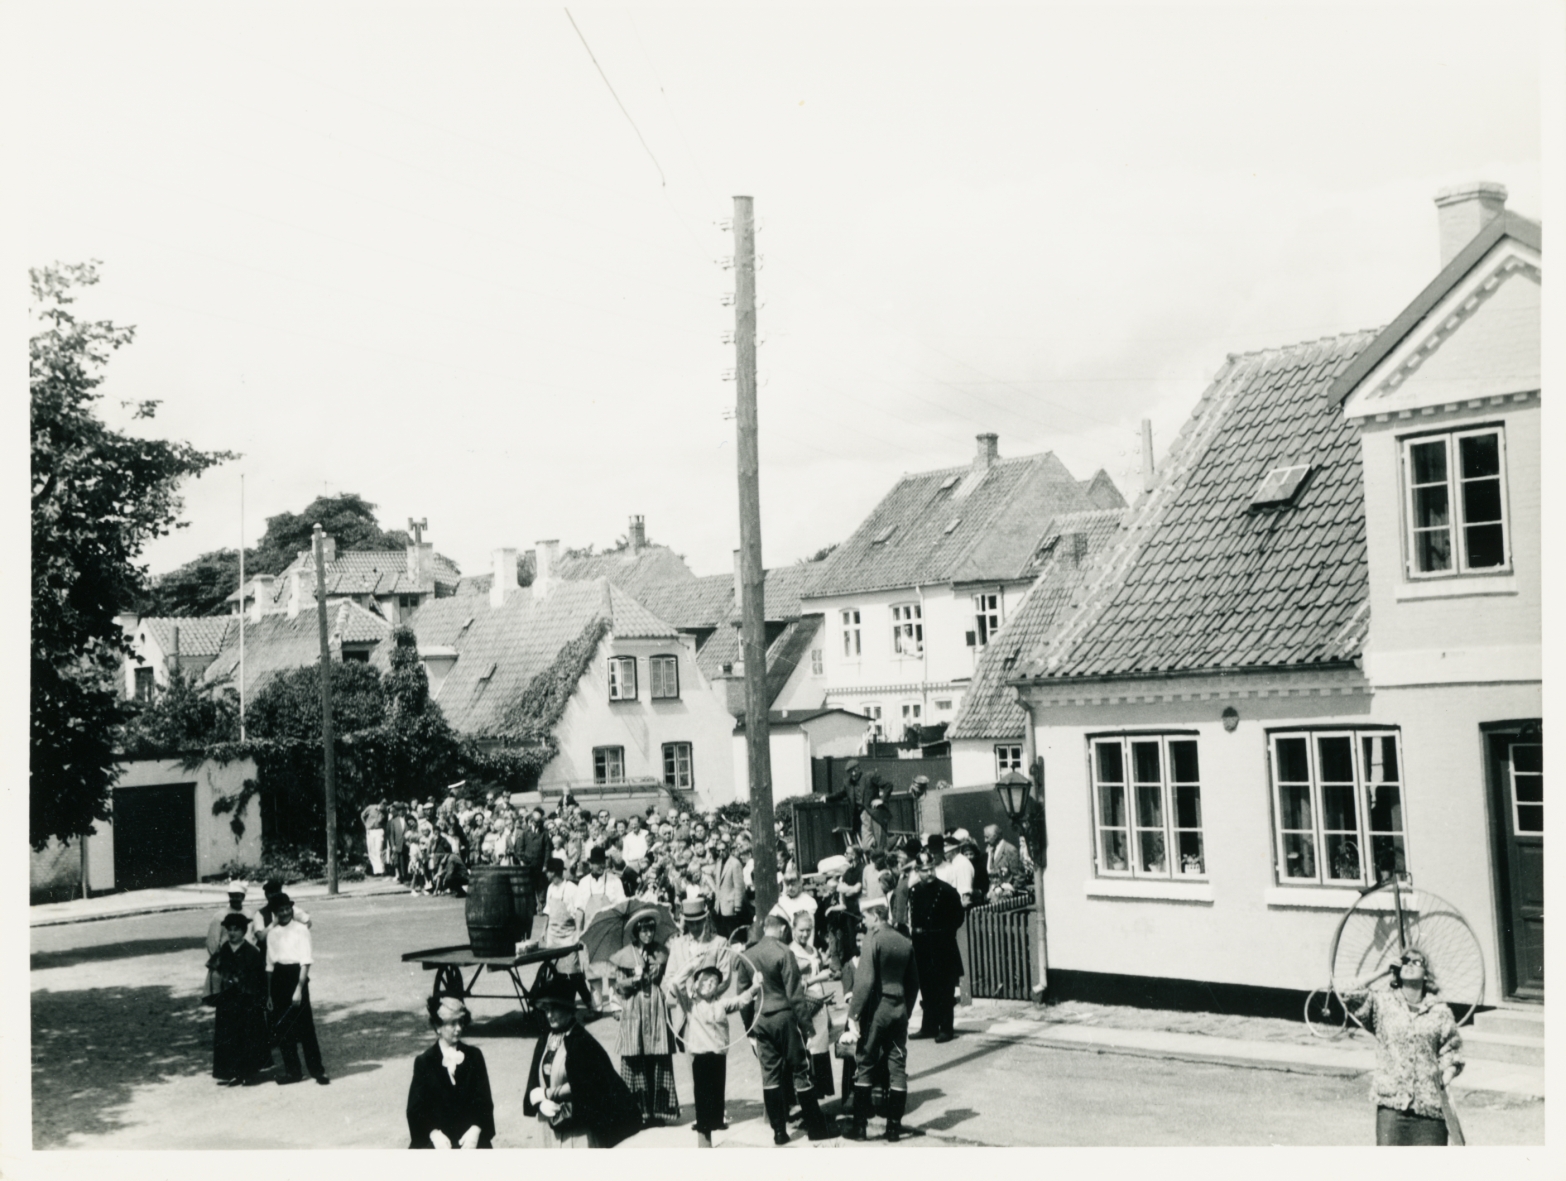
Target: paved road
121,1059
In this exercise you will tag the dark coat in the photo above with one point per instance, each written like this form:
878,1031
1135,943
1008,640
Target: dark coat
886,971
935,913
437,1103
527,846
780,984
600,1100
239,1037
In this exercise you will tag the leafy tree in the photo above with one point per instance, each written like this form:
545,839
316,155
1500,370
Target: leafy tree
98,497
349,519
199,587
185,717
288,707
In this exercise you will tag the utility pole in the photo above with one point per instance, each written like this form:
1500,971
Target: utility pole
241,606
328,743
753,636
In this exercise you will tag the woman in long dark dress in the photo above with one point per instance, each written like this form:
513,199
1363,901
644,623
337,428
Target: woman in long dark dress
449,1101
646,1045
572,1087
239,1040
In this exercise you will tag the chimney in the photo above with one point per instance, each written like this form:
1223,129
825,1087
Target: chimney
1463,210
1147,455
261,590
987,453
739,576
328,548
503,563
299,589
638,534
1079,549
546,559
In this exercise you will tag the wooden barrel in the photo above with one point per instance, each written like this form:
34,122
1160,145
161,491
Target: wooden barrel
489,911
523,902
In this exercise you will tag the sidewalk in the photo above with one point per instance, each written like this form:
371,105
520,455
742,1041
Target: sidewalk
199,896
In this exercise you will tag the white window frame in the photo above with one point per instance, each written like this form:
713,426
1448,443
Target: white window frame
849,619
1456,521
1512,775
674,775
622,678
872,710
1362,835
605,758
1008,757
662,669
988,615
1138,819
907,630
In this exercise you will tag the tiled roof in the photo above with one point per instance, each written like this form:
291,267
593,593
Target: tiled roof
1196,579
787,649
370,572
781,603
989,708
501,649
954,525
275,643
198,636
693,603
653,565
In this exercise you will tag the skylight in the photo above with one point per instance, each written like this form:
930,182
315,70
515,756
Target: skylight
955,522
1280,486
950,480
884,535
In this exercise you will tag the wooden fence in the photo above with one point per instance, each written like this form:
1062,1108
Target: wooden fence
1000,943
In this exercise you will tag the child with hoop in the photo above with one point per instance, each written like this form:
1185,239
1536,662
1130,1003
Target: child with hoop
697,991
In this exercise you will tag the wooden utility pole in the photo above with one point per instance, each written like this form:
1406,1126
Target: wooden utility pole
328,743
753,635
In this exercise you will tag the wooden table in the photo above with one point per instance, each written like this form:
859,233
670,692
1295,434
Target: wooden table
448,963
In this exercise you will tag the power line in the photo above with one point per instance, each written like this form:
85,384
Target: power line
616,98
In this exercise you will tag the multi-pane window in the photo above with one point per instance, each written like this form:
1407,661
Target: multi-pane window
677,765
850,619
873,712
907,629
817,662
986,617
1527,772
1339,806
622,678
664,674
146,682
1008,758
1148,806
1456,502
608,764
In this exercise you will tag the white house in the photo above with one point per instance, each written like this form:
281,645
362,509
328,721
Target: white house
912,598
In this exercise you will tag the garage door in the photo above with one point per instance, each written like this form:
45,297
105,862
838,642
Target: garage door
154,836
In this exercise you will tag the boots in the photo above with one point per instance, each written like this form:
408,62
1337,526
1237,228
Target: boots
862,1108
815,1125
896,1104
777,1113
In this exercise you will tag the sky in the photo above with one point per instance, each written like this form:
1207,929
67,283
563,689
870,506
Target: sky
436,256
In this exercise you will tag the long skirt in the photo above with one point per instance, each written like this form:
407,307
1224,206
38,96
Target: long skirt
1400,1128
239,1039
651,1079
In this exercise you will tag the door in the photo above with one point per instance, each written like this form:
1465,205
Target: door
154,836
1517,789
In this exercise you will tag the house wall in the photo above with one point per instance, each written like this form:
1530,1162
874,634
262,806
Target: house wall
54,872
789,749
216,844
1478,627
642,726
889,680
973,761
1240,926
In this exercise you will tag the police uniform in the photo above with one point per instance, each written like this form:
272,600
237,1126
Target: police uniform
935,914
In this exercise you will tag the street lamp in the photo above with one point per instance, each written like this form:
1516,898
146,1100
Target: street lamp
1013,788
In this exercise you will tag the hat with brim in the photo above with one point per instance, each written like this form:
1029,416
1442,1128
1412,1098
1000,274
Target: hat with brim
935,843
235,919
692,909
238,886
556,992
451,1009
643,914
868,904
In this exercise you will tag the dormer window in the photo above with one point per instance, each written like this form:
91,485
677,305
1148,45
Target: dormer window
1456,503
1280,486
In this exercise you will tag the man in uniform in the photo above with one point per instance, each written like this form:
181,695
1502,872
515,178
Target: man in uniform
885,981
935,914
777,1030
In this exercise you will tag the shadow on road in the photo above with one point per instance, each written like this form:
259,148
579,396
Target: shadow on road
994,1047
92,1049
125,950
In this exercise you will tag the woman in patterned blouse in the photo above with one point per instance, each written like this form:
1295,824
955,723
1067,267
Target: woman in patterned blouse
1418,1052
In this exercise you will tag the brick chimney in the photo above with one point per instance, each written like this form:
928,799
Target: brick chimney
503,565
988,451
1463,210
546,560
301,590
262,590
638,534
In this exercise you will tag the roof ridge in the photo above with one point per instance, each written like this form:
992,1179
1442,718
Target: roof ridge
1333,338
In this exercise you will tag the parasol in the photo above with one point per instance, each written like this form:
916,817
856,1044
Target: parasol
610,928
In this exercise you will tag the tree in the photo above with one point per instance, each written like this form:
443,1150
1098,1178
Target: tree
199,587
348,519
98,497
185,717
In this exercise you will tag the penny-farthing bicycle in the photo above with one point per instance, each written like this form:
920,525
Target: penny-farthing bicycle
1384,921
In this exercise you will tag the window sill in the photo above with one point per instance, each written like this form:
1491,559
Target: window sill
1337,898
1458,586
1161,891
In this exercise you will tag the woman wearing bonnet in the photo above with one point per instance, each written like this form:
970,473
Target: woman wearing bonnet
449,1101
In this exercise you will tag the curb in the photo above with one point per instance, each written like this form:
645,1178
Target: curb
201,904
1280,1065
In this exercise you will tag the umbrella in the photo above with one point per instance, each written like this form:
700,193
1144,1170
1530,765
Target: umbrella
610,928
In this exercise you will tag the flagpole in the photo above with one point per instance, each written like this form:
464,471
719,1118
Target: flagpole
241,606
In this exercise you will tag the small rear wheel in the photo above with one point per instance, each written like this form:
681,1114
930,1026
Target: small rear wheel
1325,1015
